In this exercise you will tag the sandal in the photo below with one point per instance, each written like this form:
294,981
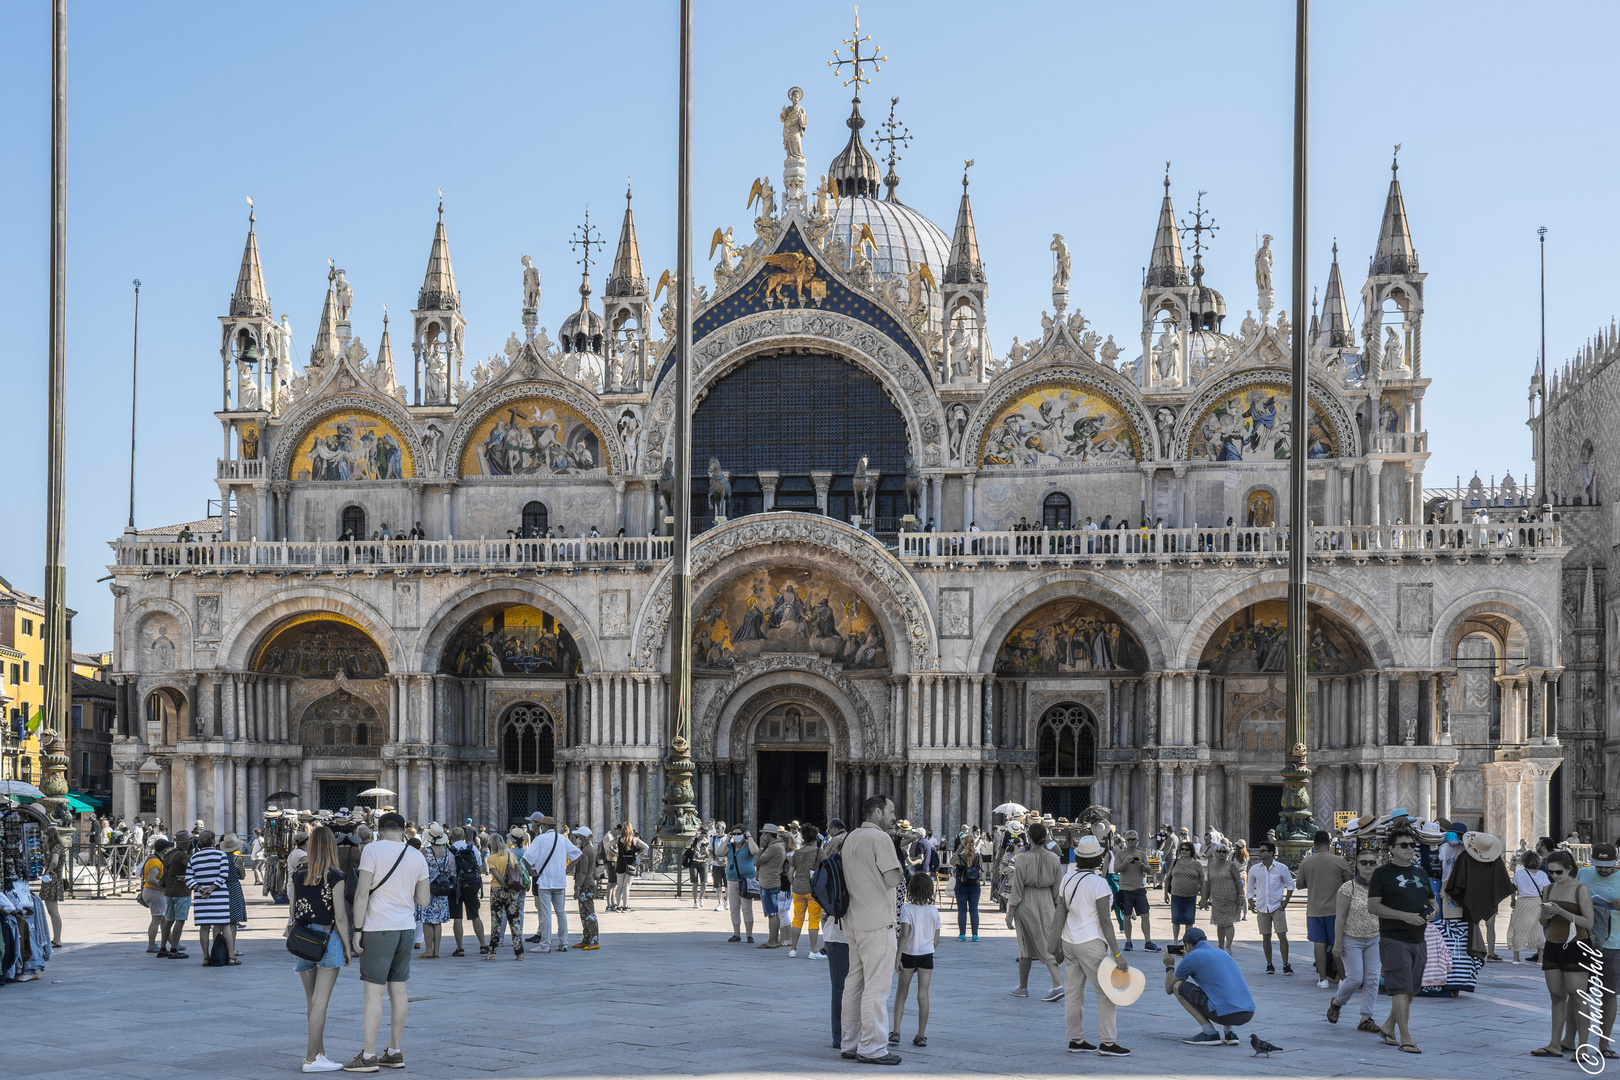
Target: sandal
1410,1048
1389,1040
1542,1051
920,1040
233,962
459,952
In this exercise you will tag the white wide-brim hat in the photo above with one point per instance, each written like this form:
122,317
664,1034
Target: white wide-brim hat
1122,985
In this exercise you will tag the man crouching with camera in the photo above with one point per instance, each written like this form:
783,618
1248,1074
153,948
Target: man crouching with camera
1210,986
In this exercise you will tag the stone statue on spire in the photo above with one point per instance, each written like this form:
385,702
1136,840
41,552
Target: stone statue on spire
1262,277
794,123
1060,271
531,285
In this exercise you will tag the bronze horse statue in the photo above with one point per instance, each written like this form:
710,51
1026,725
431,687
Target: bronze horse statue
719,490
865,490
913,486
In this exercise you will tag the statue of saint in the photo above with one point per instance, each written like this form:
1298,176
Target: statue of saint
531,285
438,387
1392,350
1168,353
345,297
1109,351
247,391
1262,265
794,123
1060,274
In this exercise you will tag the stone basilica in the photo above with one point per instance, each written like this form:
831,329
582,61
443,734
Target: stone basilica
1097,616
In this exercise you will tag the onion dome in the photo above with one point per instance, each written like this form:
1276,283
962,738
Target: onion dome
584,330
855,170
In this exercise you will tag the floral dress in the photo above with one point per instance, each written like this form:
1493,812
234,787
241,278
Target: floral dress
437,910
1223,888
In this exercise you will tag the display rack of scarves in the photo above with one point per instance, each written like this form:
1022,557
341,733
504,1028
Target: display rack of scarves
27,931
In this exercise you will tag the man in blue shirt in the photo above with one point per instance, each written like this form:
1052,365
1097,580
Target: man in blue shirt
1210,986
1603,879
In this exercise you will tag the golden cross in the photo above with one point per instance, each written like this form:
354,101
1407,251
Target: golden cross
855,58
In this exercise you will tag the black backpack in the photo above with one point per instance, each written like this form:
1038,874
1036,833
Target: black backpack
466,870
827,886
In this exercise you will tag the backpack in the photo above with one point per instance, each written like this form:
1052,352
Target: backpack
827,886
516,875
466,870
219,955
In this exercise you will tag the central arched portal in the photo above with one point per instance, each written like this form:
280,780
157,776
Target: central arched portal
791,751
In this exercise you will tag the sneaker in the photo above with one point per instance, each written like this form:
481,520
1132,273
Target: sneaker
1288,969
1128,947
961,937
734,937
1019,992
1150,947
392,1059
562,948
592,945
750,939
818,955
1231,1037
1333,1012
975,937
793,952
1271,969
322,1063
886,1059
1080,1046
1054,994
847,1055
1113,1049
1204,1038
1323,984
362,1063
151,948
543,948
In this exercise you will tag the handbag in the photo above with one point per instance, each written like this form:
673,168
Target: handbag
750,888
308,942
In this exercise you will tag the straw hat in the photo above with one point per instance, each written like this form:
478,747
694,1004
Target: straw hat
1122,985
436,834
1482,847
1087,847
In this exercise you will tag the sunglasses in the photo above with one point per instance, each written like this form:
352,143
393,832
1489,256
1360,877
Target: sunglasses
1556,871
1403,845
1366,862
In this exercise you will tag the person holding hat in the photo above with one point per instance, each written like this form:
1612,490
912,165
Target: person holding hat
550,854
1210,986
1090,951
1602,879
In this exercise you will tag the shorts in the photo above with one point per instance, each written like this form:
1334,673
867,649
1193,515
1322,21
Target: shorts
925,962
1320,928
1184,910
1133,902
1568,956
1272,922
1194,995
176,908
464,904
154,901
1403,963
767,902
805,903
1611,971
331,958
385,955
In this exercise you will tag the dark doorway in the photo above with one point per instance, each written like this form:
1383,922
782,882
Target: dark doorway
536,519
1265,810
792,786
525,799
1066,801
345,794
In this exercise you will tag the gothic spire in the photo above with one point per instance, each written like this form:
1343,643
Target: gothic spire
385,349
1335,330
1395,254
1167,267
250,298
438,292
326,345
964,267
627,278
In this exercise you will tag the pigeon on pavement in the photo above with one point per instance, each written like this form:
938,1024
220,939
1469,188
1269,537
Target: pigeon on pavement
1262,1047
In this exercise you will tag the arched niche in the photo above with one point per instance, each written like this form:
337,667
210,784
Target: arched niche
1254,641
512,641
1070,636
319,645
527,738
351,445
341,723
794,609
1059,423
534,436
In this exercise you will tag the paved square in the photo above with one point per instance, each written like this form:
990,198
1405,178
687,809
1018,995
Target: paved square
667,995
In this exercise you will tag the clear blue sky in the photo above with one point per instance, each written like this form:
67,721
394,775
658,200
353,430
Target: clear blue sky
343,120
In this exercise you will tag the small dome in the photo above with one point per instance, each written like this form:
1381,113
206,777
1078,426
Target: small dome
903,239
583,331
1207,308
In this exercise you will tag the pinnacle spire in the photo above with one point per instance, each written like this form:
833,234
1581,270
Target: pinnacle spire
438,292
385,348
1167,266
250,297
1335,330
1395,254
964,267
627,278
326,336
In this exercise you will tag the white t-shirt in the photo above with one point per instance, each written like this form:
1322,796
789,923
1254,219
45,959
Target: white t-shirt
1529,882
1081,891
553,851
393,906
919,925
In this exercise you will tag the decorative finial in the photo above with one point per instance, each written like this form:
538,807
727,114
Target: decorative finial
441,204
627,188
385,316
1335,249
250,211
582,241
1198,228
856,58
331,269
898,136
1167,176
966,165
1395,160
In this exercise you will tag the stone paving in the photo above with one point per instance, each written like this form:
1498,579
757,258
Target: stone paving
667,995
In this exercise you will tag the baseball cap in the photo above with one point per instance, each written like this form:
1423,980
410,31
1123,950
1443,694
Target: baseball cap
1193,936
1603,855
391,820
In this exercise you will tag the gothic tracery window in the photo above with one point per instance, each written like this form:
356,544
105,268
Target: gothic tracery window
528,741
341,721
1067,742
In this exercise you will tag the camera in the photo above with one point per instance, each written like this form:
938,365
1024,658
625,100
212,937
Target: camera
1175,949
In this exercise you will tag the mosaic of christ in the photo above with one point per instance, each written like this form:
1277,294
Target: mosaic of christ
787,610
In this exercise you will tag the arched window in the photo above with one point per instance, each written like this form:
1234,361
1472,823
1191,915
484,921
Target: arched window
343,722
1055,511
354,523
1067,742
528,741
536,520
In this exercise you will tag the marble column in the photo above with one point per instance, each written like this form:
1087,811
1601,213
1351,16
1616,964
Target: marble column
1150,802
240,824
1167,796
440,807
1425,787
936,799
1200,799
1443,791
1184,800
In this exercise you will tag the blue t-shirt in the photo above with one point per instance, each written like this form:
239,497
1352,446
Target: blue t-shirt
1609,889
1219,976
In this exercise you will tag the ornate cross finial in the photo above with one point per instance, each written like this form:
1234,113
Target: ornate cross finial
441,204
896,134
582,241
1199,226
856,58
1167,175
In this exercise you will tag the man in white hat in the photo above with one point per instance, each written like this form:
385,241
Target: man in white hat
1089,944
1602,879
550,854
584,871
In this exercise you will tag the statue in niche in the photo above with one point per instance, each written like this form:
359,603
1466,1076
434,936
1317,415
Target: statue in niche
1165,418
247,391
1167,355
531,285
438,389
956,423
1392,350
630,438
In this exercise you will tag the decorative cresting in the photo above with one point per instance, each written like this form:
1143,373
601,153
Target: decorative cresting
708,726
300,428
510,395
905,602
1342,428
1049,383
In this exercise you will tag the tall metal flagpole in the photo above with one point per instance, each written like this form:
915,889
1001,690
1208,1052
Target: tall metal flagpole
54,781
1296,826
134,383
1541,422
680,817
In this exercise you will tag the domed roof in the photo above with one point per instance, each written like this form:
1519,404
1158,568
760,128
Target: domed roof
904,238
583,331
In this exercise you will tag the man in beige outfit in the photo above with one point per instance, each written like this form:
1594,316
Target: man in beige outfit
871,875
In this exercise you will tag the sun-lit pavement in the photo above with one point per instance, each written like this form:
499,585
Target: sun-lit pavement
666,994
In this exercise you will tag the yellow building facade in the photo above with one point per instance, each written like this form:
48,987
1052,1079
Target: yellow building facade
22,651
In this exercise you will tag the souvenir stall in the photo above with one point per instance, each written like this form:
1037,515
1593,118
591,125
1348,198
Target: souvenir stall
25,933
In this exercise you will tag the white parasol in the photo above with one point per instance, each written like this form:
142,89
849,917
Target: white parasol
372,792
1011,809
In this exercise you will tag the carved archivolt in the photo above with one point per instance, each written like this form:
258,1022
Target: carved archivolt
479,408
319,409
1321,397
707,727
899,599
1095,379
827,331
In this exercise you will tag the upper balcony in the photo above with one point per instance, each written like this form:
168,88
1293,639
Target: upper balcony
400,556
241,469
1352,543
1400,442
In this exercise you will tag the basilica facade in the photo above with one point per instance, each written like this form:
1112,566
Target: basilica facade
925,566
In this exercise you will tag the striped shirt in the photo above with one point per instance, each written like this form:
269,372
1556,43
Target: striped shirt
210,866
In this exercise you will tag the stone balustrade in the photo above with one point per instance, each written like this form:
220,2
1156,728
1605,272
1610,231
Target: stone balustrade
333,555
